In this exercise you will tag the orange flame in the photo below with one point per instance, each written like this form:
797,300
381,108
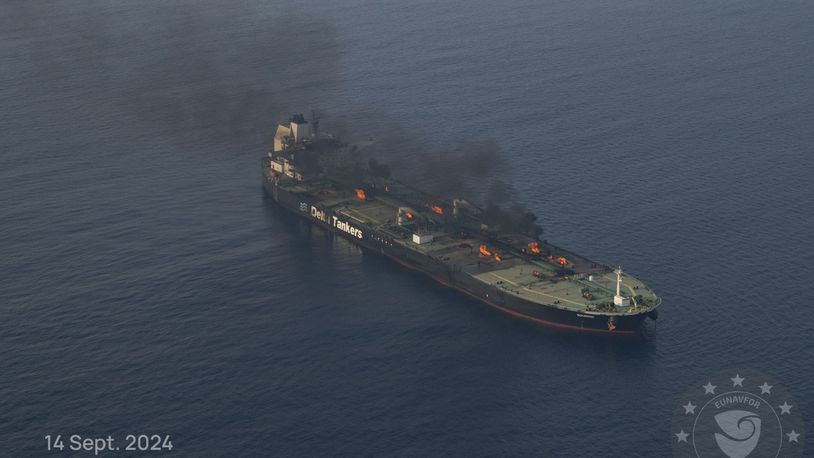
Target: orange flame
409,215
437,209
534,247
498,258
485,251
360,194
562,261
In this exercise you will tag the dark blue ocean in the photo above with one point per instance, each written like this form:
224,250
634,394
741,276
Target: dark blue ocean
147,286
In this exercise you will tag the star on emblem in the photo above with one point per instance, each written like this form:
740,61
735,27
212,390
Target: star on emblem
682,436
765,388
709,388
689,408
785,408
737,381
793,436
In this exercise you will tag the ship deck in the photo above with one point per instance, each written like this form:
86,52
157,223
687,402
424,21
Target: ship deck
586,286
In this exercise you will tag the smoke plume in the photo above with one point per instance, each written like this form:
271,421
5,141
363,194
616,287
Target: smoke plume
215,72
194,72
477,171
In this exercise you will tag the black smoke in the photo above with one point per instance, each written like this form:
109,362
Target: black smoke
195,72
205,84
478,171
214,72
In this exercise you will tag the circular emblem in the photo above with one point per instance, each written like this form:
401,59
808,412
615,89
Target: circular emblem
737,414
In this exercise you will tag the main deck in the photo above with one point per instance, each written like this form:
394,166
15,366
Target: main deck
555,277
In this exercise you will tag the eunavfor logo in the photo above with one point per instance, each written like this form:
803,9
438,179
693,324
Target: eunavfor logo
737,414
741,432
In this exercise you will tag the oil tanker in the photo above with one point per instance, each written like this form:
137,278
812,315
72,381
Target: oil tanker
314,175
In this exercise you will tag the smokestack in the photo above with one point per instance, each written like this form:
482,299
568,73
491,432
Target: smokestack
300,129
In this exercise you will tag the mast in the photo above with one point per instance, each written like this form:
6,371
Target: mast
618,299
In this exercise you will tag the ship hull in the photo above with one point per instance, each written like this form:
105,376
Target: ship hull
446,275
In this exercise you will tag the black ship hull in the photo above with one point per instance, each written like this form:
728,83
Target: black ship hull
370,240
